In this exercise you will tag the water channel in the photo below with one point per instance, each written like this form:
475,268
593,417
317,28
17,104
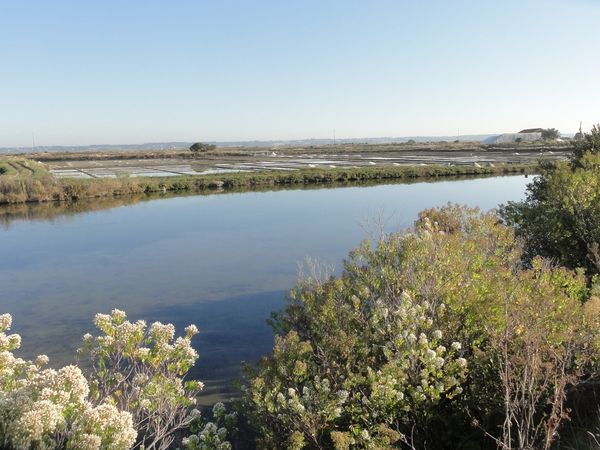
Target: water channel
222,262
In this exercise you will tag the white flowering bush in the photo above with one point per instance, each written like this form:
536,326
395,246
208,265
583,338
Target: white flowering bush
213,435
46,408
353,367
428,339
141,369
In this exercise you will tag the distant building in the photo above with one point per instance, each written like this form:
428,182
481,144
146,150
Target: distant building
531,130
527,135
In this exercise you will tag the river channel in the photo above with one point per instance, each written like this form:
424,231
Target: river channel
223,262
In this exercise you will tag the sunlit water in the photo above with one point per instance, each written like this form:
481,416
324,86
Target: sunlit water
223,262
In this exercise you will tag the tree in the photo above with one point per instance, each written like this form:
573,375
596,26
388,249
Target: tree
550,134
588,143
201,147
560,217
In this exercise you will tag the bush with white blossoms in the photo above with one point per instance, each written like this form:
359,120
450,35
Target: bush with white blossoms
211,435
377,358
353,367
141,369
46,408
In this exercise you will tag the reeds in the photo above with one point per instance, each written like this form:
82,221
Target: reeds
34,184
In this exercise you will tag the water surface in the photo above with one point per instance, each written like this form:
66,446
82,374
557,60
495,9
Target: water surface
223,262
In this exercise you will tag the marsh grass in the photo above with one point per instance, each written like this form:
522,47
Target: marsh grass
29,181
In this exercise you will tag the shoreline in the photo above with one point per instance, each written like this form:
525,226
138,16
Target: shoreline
40,186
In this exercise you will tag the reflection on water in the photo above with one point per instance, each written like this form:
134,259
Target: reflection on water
52,210
223,262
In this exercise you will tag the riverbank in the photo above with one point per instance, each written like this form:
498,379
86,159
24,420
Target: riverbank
34,184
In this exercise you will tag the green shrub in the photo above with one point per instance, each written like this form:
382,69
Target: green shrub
423,335
560,218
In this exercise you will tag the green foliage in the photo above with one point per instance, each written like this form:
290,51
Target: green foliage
199,147
560,217
7,169
358,360
211,435
378,357
550,134
588,143
21,166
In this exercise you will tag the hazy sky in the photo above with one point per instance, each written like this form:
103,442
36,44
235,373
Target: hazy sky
101,71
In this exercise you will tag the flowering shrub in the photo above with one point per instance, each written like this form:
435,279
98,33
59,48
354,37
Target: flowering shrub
141,370
46,408
134,394
424,335
356,364
212,435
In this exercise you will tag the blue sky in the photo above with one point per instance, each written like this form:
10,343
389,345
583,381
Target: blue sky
89,72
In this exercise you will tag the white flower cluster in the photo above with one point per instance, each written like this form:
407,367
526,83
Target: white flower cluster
149,365
210,438
44,408
212,435
136,376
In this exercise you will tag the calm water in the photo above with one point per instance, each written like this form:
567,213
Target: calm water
223,262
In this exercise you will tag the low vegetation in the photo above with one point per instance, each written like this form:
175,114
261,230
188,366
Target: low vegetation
39,186
340,148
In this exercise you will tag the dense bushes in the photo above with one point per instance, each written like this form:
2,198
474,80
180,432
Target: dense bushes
513,339
560,218
423,335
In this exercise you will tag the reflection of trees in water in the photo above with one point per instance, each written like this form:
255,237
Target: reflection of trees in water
51,211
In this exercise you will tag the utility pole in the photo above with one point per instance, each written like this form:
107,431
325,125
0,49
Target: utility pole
334,136
32,142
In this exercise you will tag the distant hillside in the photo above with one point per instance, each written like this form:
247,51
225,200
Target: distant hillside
280,143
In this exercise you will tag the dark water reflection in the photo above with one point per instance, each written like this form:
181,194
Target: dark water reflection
223,262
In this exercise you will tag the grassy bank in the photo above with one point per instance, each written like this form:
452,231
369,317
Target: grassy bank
23,180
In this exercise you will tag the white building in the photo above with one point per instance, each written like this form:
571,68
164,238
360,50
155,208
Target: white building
511,138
